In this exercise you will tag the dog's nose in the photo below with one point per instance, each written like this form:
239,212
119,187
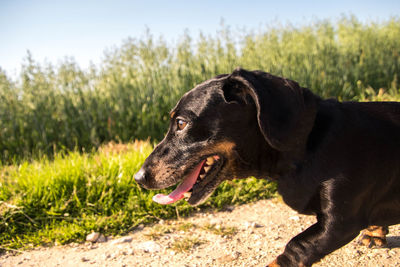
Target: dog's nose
140,177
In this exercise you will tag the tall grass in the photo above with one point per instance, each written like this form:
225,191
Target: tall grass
61,107
65,199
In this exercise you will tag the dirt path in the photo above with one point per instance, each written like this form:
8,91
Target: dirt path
247,235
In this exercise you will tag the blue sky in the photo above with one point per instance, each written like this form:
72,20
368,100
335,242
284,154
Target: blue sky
83,29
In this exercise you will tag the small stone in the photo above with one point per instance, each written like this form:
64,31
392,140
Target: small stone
130,252
230,208
125,239
92,237
294,218
149,246
236,254
92,246
246,225
256,237
101,239
251,225
257,225
84,259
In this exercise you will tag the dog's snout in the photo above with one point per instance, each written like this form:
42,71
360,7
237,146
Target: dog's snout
140,177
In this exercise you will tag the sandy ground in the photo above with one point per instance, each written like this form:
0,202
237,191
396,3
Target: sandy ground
247,235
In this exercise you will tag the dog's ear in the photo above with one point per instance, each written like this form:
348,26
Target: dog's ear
235,91
285,111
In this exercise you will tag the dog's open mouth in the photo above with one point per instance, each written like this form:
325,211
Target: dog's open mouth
193,185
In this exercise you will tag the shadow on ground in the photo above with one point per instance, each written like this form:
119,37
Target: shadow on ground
393,241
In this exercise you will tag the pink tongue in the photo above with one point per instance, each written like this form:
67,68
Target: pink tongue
177,194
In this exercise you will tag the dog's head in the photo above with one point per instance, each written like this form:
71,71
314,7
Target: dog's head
231,126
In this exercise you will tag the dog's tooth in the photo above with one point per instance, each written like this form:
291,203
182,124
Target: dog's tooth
210,161
202,176
207,168
187,194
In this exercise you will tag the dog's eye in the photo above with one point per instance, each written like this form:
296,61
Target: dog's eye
181,124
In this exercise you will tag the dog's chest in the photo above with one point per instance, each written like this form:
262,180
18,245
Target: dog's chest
300,194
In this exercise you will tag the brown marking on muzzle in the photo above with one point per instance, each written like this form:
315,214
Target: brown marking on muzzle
163,173
225,149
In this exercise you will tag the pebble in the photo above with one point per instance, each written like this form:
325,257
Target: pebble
257,237
92,246
230,208
125,239
114,255
84,259
101,239
130,252
236,254
149,246
251,225
92,237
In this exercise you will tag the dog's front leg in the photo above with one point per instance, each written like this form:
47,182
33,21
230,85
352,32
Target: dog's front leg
317,241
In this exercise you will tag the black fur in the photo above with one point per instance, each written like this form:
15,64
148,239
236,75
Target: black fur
337,161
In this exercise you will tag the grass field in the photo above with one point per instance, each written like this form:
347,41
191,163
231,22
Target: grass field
63,200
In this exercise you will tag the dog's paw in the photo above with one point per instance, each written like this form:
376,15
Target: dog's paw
374,236
276,264
273,264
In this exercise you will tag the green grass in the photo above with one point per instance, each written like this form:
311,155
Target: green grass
51,108
185,244
63,200
220,230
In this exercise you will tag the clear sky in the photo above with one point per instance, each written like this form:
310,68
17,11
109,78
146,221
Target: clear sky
83,29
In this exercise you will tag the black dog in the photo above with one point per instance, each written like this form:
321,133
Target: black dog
337,161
